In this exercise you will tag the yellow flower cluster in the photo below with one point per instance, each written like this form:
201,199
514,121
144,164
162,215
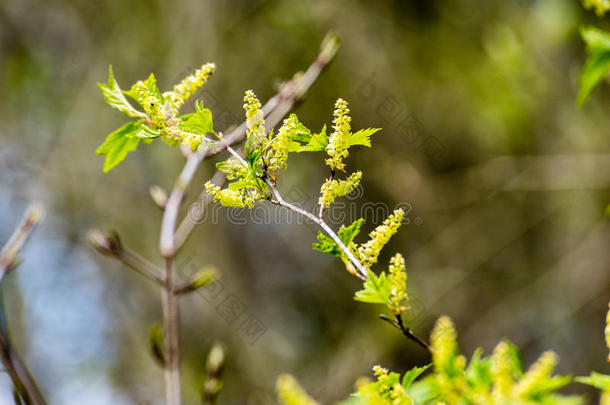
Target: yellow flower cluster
600,6
369,251
338,143
443,341
187,87
281,145
398,276
502,369
290,392
390,387
245,197
333,189
537,373
255,120
150,103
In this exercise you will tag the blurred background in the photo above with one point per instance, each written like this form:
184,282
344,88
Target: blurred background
505,180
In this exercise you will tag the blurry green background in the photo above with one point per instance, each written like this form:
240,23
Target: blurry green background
506,179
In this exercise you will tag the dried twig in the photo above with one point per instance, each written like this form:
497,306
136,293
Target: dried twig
26,388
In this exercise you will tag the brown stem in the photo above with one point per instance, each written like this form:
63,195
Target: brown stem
399,324
25,385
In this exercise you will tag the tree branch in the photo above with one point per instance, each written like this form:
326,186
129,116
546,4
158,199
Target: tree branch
399,324
111,245
25,386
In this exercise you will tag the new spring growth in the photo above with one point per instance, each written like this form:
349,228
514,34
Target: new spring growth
443,340
289,392
255,122
338,144
333,189
189,86
160,116
503,369
245,197
398,278
380,236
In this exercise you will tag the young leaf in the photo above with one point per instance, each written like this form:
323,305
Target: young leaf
327,245
347,234
199,122
362,137
597,380
412,374
115,98
317,142
119,143
377,290
598,62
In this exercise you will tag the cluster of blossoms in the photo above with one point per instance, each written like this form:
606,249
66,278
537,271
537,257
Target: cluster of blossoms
369,252
338,142
398,278
277,156
333,189
386,390
189,86
246,197
255,121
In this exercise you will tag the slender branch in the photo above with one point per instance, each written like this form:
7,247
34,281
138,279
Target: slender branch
10,251
362,271
25,386
399,324
171,336
274,111
111,245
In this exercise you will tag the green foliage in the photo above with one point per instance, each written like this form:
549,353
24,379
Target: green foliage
597,380
122,141
598,61
376,289
600,6
159,118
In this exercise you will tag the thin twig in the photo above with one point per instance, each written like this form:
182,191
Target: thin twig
362,271
399,324
111,245
25,386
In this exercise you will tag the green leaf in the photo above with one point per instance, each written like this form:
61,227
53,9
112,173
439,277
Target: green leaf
478,372
598,63
199,122
596,39
362,137
412,374
119,143
377,290
115,98
347,234
597,380
317,142
327,245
